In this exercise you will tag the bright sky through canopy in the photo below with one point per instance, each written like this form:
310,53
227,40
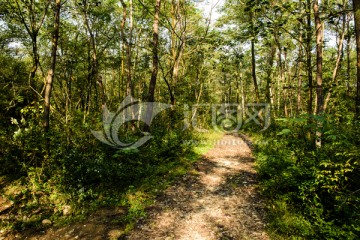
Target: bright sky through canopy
210,8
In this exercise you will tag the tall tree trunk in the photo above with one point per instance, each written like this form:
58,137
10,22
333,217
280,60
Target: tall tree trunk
356,6
178,24
348,60
93,63
281,79
173,72
283,76
50,75
269,74
127,45
36,59
308,54
129,51
155,59
319,65
299,75
253,60
155,63
338,59
242,92
253,69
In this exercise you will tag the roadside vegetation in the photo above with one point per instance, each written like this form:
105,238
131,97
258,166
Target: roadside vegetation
312,193
288,68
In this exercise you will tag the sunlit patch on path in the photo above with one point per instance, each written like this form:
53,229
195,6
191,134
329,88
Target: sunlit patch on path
217,201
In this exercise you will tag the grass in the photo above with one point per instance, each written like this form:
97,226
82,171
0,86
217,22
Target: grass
37,200
306,197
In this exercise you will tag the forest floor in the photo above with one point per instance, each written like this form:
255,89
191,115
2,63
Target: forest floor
217,199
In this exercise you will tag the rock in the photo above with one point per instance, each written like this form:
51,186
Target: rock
46,222
115,234
67,210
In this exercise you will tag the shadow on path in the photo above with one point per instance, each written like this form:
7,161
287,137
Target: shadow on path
218,200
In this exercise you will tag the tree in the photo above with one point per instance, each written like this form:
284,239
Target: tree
51,72
339,58
356,6
319,68
308,56
127,46
31,14
155,62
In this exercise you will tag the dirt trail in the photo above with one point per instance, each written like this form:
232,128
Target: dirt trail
218,201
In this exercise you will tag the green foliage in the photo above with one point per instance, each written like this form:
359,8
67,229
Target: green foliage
83,173
312,192
316,190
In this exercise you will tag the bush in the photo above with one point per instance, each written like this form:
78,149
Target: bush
312,192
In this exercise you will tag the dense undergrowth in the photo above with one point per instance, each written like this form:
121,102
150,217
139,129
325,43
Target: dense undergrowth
81,174
312,193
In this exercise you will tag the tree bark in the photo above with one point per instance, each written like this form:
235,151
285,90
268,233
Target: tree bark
319,58
93,63
356,6
308,55
319,65
127,44
50,75
338,60
253,69
299,75
283,79
269,72
155,63
348,61
155,59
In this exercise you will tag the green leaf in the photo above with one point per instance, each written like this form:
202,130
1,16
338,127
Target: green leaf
284,132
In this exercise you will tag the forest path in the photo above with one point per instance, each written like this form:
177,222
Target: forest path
217,201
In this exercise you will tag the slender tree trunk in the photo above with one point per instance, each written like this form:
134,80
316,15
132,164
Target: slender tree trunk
175,73
155,64
338,60
129,51
50,75
237,89
177,47
93,63
283,76
269,74
36,59
299,75
308,54
155,59
281,80
242,96
356,6
173,60
240,90
127,45
319,65
102,92
253,69
348,61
